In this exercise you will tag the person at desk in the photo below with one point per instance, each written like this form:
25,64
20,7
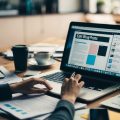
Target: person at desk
69,92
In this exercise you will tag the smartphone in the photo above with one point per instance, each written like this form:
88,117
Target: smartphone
98,114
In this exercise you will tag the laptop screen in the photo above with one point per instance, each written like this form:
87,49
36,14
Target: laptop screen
93,48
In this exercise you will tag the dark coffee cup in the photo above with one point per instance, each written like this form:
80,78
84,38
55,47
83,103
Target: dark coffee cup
20,56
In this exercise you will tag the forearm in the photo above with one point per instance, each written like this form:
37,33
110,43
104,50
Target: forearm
64,111
5,92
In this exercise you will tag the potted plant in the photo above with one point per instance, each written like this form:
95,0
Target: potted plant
101,6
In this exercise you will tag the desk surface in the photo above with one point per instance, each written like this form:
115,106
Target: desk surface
10,66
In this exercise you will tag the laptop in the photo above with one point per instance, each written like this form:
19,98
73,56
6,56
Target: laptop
92,50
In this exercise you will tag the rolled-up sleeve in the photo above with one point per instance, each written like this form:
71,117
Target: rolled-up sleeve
5,92
64,111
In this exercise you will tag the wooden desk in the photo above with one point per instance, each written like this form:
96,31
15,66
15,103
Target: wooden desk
10,66
117,18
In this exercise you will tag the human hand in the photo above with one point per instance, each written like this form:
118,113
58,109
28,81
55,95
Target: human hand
27,86
71,88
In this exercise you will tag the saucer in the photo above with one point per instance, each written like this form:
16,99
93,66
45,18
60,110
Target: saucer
33,62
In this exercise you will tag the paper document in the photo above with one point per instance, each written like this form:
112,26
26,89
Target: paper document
33,105
41,48
8,54
43,117
27,107
113,102
9,77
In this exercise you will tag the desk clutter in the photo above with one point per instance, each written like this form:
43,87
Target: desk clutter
37,56
55,49
41,106
100,78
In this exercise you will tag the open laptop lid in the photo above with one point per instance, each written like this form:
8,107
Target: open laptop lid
93,50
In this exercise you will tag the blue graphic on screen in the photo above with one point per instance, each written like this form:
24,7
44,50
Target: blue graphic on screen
110,60
91,59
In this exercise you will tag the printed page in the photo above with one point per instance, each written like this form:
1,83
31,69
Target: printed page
24,107
113,102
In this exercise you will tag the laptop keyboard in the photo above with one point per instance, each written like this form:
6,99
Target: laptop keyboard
89,83
57,77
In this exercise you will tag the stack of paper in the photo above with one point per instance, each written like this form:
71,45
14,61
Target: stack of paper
33,105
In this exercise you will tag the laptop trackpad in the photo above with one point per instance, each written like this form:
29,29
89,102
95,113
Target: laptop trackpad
56,87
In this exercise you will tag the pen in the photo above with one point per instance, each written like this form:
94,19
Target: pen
2,75
57,59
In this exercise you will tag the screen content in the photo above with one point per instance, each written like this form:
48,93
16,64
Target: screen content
94,49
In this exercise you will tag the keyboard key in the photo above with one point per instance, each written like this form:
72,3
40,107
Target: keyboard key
57,77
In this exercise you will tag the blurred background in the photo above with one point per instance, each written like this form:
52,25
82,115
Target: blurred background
33,21
33,7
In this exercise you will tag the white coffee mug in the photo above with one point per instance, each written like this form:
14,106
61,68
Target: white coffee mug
42,58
